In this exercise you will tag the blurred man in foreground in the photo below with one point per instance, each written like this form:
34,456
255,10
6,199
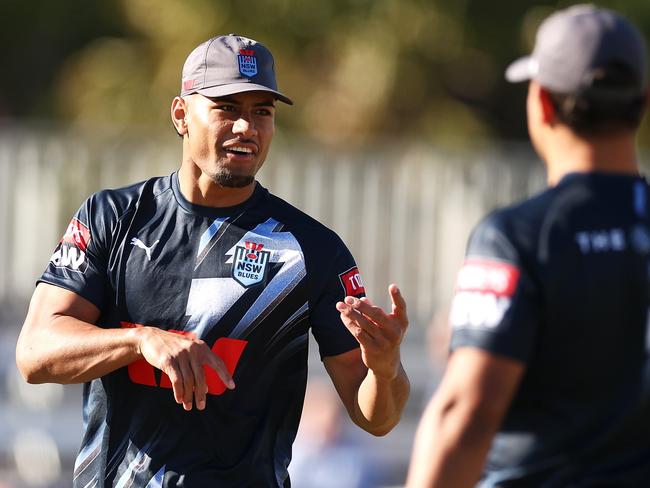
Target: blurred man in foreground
161,293
547,383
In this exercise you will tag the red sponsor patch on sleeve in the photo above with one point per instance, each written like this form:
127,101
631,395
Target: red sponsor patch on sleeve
352,282
77,234
484,293
487,276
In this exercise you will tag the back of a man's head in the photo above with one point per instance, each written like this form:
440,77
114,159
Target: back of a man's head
592,62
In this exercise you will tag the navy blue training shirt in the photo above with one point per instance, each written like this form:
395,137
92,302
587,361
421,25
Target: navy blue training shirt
560,283
250,281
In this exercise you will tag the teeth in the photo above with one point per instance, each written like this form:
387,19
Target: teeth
240,149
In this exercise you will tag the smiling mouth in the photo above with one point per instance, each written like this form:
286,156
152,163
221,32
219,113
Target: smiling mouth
239,150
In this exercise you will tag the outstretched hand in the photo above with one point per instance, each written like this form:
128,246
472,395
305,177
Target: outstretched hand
378,333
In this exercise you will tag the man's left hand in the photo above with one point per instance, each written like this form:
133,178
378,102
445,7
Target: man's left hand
379,333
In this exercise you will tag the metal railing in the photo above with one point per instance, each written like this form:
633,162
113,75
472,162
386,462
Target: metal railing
405,210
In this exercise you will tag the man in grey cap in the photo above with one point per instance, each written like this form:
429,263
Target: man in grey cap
184,304
548,380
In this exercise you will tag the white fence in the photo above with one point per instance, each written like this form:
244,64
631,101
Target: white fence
405,210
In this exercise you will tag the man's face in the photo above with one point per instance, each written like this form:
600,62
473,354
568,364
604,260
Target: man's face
229,137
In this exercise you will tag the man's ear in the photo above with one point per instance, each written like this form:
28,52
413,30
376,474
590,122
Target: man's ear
548,108
178,113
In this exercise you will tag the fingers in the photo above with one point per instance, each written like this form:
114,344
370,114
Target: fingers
183,379
359,325
376,314
176,380
366,300
378,333
182,359
365,307
364,319
398,302
187,380
200,384
218,365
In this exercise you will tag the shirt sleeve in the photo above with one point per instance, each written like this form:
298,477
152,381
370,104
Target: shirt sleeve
79,262
496,304
338,279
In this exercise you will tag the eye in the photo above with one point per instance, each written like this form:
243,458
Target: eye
264,111
226,107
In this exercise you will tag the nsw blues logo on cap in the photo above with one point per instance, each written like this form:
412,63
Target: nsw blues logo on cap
247,62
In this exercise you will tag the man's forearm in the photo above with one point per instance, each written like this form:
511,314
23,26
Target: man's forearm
450,447
59,343
380,402
463,416
68,350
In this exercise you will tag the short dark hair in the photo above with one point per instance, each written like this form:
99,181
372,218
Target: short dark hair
613,102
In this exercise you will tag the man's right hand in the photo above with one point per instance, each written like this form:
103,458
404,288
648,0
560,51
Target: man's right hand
182,358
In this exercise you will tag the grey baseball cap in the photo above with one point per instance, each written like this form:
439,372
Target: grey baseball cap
574,47
226,65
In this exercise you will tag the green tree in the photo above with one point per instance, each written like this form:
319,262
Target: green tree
358,70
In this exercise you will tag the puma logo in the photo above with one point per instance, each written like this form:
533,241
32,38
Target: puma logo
147,249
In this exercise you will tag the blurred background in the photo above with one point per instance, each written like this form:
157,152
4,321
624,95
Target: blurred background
402,136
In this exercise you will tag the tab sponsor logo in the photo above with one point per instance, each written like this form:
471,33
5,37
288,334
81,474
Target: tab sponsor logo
352,282
483,294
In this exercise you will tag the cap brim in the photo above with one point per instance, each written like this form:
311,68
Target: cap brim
233,88
522,69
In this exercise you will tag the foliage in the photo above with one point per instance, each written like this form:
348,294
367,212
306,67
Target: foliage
358,70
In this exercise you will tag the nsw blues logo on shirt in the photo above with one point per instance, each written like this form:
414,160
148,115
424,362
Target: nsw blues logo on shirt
247,62
250,264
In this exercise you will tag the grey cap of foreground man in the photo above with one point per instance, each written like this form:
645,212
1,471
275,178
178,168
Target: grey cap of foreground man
230,64
574,47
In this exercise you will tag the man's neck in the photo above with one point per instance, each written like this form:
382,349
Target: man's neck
569,153
200,189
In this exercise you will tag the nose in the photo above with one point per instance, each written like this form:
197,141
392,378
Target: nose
244,125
